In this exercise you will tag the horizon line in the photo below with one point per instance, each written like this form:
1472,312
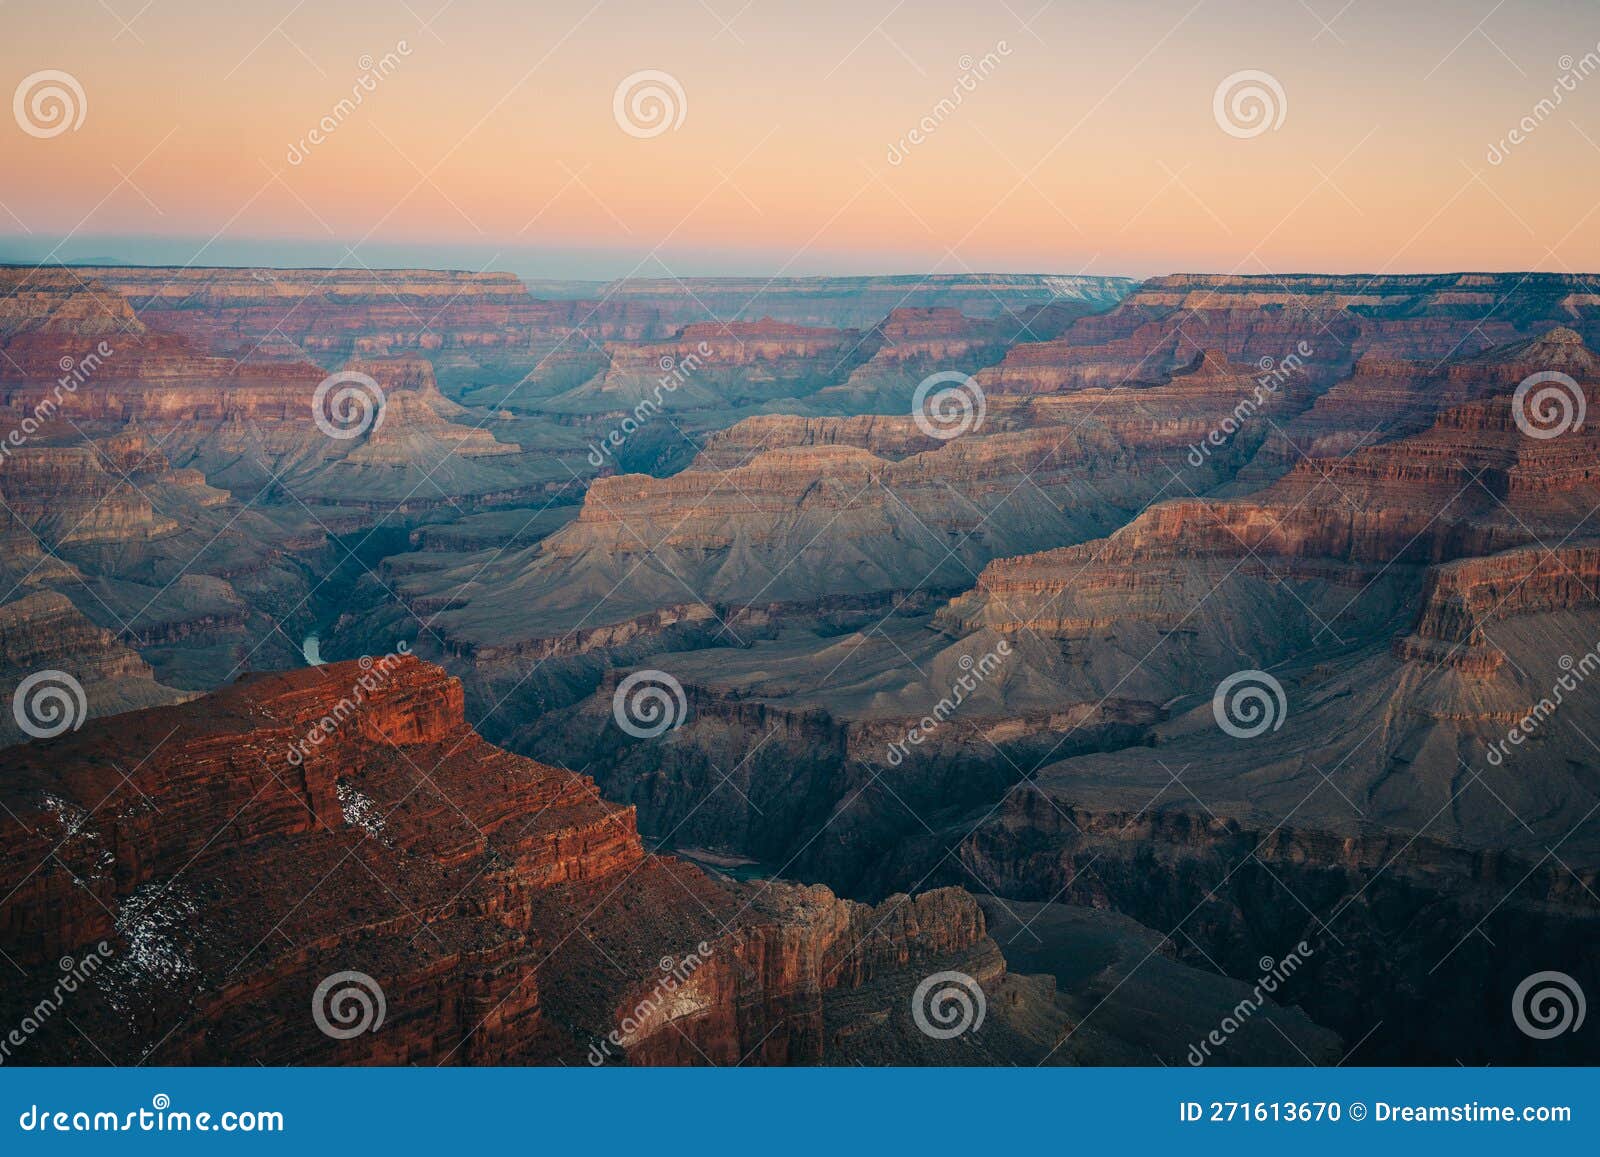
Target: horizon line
109,262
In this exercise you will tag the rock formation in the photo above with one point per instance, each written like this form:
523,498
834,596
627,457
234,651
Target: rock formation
221,860
987,661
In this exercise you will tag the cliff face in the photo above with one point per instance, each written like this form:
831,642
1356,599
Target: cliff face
234,851
887,436
1469,483
715,366
90,493
170,564
1426,316
1463,599
44,632
1332,323
80,364
807,512
491,325
776,991
329,315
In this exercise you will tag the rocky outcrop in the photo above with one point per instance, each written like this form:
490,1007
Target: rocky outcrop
43,634
148,551
715,366
809,512
80,364
1435,316
223,857
891,437
330,315
1462,599
90,493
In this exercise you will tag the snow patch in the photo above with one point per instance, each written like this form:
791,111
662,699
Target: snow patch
360,810
150,920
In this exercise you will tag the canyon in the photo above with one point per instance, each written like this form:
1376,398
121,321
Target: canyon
944,690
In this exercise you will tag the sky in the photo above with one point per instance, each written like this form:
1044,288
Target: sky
802,138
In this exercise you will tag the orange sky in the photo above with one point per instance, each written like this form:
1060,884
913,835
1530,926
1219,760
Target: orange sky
1091,144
